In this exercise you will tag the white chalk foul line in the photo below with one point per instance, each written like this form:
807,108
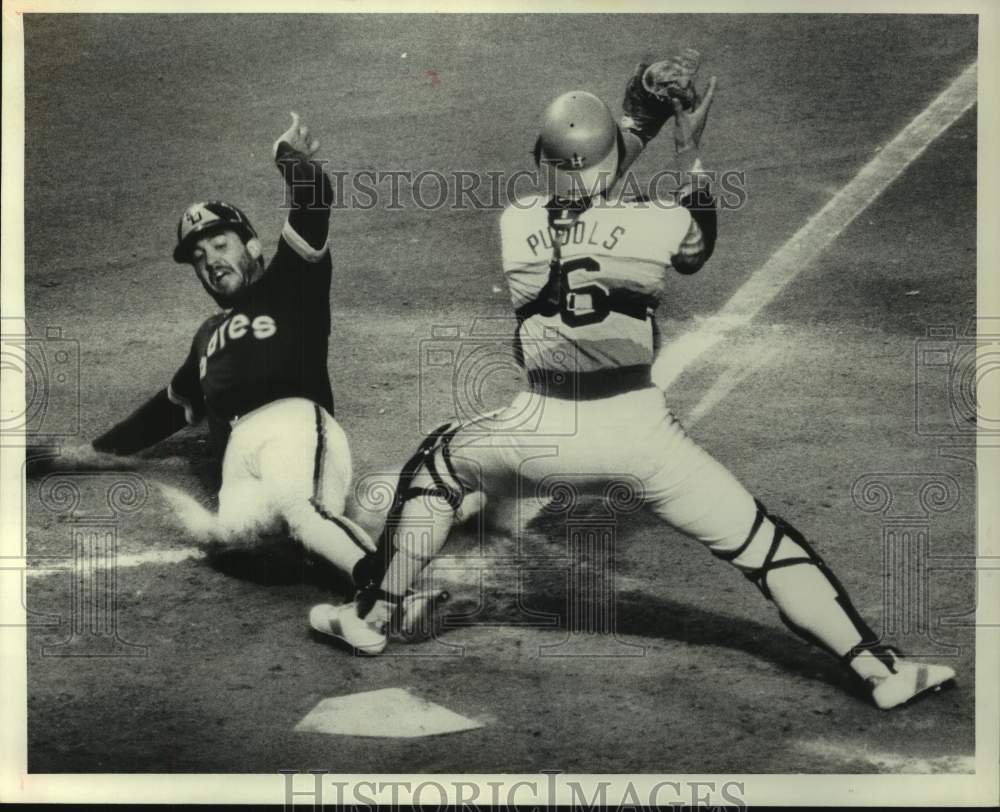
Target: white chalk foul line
59,566
888,762
726,383
822,228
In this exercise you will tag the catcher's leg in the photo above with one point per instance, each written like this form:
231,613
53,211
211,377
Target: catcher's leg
711,505
429,492
814,604
308,473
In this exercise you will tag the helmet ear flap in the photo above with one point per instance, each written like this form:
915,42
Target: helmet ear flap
254,248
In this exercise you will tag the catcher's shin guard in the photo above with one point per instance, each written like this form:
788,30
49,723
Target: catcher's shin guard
815,605
428,473
811,600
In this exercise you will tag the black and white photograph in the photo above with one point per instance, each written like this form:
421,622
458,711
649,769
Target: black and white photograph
537,395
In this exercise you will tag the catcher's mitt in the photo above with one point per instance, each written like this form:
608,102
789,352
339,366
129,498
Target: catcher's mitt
650,90
674,78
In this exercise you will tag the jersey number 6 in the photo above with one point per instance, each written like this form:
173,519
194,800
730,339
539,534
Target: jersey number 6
581,304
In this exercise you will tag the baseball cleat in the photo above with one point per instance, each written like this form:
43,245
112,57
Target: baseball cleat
342,623
910,681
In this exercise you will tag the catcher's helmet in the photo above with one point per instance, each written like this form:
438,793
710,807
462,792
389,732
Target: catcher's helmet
581,142
201,217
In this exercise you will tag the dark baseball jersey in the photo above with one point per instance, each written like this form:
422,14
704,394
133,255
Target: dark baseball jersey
272,341
272,344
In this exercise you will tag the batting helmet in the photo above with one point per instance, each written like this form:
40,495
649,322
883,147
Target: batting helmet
199,218
581,142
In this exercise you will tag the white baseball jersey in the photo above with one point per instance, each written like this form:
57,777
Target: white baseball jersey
593,311
589,314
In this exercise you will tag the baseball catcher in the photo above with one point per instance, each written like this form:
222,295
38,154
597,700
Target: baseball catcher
586,270
257,371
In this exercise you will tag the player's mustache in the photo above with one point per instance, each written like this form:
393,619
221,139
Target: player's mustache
217,267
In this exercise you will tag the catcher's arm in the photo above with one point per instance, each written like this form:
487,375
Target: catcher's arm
642,117
649,95
695,193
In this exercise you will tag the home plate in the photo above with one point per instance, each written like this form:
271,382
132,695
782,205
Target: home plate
390,712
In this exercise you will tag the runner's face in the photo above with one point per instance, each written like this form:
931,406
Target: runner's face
222,262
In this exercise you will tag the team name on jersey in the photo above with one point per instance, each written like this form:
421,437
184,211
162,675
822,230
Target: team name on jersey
233,329
581,233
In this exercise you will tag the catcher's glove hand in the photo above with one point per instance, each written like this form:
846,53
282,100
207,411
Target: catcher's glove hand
674,78
652,89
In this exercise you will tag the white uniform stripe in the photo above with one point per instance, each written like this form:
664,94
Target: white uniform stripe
184,403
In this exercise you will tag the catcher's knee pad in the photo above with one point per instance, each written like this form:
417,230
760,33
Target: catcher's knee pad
428,473
774,544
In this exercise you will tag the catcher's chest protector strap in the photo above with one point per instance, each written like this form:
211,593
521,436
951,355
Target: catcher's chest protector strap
562,214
